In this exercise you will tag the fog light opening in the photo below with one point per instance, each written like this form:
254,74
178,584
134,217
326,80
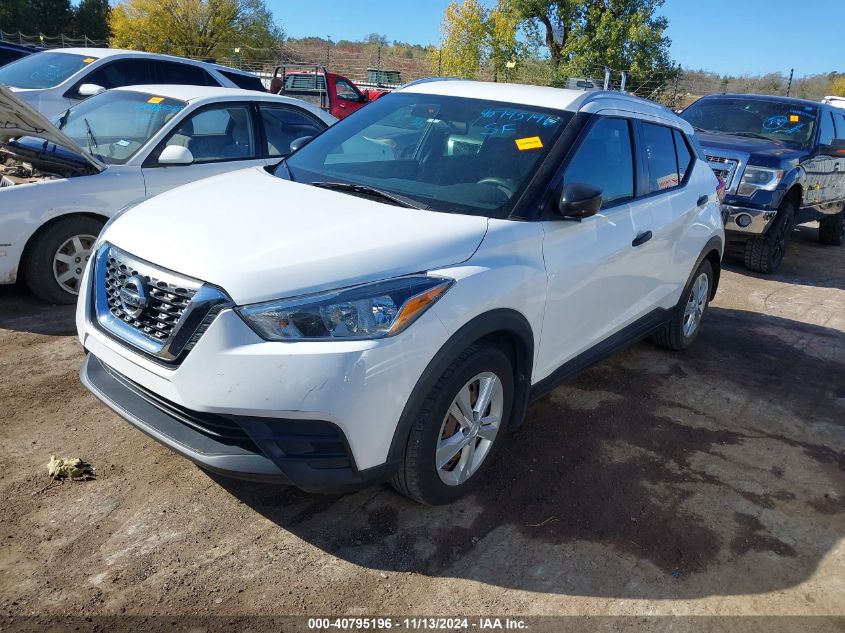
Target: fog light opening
743,220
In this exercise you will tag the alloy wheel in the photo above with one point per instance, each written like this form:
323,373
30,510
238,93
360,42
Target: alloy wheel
469,428
696,303
70,260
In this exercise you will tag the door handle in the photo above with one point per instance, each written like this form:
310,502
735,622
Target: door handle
642,238
703,200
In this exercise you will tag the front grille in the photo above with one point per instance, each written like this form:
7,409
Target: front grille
168,301
155,310
724,168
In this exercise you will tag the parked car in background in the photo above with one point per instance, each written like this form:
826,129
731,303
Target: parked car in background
330,91
783,163
60,183
380,309
11,52
54,80
838,102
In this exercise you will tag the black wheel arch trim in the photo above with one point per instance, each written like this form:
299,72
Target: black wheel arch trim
502,320
715,243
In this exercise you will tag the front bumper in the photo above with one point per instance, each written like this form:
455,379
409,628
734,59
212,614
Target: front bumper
313,455
756,221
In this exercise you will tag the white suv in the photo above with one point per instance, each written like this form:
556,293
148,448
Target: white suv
386,302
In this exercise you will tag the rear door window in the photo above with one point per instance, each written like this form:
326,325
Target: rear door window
605,160
659,148
826,130
184,74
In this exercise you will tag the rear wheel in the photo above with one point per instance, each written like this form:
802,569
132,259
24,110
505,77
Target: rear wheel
764,254
832,230
458,428
57,258
680,332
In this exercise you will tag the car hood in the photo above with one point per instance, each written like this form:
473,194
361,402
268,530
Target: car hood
18,118
260,237
764,150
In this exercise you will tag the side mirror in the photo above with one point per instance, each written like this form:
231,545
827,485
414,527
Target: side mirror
89,90
296,143
175,155
578,201
836,148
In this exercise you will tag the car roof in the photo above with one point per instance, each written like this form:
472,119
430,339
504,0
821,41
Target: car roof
210,94
776,98
103,53
548,97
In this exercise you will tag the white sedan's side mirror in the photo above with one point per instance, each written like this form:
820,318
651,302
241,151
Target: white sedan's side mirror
175,155
89,90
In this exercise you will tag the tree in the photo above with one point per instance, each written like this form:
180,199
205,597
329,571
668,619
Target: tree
584,36
837,86
464,31
92,19
504,49
194,28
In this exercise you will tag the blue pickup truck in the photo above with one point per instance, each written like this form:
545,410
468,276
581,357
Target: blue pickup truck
783,163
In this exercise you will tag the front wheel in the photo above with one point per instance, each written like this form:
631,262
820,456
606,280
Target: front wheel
832,230
458,428
680,332
56,259
764,254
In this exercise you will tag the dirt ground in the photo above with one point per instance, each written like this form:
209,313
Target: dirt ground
708,482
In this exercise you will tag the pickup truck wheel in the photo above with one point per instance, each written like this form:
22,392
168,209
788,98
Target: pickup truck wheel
459,427
764,254
56,259
832,230
680,332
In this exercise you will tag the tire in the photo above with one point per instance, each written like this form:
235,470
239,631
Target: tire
60,252
832,230
695,299
419,476
764,254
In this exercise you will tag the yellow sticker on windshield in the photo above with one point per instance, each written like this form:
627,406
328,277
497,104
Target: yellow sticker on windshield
155,99
88,60
530,142
794,118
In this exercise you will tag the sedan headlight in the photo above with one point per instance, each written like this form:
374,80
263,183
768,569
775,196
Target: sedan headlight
759,179
368,311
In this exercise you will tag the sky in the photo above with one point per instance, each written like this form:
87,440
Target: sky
726,36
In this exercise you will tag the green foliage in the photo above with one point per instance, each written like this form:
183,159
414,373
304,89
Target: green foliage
584,36
465,35
196,28
92,19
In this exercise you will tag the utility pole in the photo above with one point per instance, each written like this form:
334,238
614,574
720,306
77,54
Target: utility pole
328,50
789,85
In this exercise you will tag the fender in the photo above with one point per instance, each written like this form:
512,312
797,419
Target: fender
715,243
500,320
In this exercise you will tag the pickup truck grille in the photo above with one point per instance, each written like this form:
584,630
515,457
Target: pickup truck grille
724,168
155,310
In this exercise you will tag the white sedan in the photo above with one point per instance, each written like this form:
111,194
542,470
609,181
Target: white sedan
59,183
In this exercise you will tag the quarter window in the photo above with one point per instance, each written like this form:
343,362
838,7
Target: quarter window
284,125
247,82
660,155
217,134
683,154
605,160
839,119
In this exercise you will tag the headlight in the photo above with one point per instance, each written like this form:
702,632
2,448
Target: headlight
759,179
368,311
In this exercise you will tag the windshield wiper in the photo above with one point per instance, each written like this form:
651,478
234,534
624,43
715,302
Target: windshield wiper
89,137
63,118
393,198
751,135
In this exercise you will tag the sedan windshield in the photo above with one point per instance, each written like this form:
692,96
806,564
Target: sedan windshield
114,125
754,118
43,70
434,152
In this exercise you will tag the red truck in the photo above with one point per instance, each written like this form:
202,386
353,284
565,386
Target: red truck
330,91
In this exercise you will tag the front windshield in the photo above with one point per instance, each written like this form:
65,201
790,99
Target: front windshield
43,70
114,125
771,120
444,153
